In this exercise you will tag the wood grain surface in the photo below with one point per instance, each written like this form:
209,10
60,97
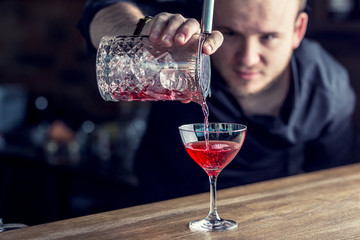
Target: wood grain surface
318,205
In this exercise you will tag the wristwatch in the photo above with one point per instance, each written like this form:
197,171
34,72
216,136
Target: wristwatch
141,23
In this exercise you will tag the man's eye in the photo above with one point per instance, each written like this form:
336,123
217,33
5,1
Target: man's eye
268,37
229,34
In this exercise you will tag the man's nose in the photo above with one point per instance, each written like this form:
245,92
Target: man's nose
249,53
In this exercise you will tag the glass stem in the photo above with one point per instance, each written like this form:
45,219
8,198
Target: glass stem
213,215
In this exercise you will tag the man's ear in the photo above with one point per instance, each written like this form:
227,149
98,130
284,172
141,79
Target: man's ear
300,28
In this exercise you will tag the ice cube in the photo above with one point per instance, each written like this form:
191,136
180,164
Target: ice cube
171,77
144,66
168,79
165,58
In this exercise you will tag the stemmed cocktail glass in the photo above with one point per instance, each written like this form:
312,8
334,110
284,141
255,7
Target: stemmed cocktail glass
213,149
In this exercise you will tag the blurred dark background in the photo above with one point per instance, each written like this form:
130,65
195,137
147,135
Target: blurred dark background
64,152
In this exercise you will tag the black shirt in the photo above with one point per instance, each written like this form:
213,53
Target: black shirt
312,132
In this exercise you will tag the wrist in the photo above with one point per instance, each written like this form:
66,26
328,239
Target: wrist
141,24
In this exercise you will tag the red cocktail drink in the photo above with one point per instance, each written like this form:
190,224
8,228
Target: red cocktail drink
214,156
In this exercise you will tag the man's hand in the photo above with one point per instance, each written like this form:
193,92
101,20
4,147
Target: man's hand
169,29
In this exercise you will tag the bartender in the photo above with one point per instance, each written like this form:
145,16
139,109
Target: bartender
295,98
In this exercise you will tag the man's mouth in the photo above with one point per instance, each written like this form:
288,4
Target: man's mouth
247,74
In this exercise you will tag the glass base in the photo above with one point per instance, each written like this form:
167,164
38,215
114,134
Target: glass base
212,226
11,226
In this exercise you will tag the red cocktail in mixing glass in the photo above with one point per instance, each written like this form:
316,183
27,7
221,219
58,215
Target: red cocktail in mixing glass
213,149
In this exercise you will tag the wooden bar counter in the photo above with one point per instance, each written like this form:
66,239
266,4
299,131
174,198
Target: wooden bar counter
318,205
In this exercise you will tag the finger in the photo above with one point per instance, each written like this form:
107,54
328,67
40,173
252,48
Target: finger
174,23
213,42
158,24
190,27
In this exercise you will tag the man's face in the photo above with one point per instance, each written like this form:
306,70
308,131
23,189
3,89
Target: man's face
259,38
